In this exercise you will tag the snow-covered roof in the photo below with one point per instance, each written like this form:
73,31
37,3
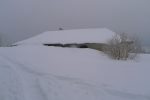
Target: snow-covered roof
101,35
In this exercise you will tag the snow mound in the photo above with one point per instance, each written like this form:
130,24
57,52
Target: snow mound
37,72
71,36
55,73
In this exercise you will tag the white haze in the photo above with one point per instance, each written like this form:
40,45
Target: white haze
20,19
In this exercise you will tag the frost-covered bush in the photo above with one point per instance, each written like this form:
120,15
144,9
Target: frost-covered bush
122,47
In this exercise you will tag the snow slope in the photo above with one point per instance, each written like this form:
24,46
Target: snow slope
30,72
101,35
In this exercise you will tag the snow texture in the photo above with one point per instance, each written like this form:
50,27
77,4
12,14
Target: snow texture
37,72
55,73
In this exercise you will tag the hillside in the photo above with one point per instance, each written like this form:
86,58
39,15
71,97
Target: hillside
38,72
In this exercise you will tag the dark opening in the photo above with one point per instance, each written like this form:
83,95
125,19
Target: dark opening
83,46
58,45
68,45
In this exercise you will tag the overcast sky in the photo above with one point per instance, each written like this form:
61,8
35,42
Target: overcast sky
20,19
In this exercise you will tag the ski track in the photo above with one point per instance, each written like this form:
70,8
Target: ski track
43,86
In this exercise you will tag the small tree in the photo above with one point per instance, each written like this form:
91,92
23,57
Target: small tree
121,46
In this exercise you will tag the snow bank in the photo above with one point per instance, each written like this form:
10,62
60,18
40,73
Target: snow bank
55,73
71,36
36,72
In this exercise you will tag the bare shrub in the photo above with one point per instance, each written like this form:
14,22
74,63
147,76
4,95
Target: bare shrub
122,47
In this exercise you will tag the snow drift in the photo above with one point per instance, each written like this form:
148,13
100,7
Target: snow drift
53,73
36,72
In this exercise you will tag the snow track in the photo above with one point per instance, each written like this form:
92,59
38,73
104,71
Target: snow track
18,82
9,83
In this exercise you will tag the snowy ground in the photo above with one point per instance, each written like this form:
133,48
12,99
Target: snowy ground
55,73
